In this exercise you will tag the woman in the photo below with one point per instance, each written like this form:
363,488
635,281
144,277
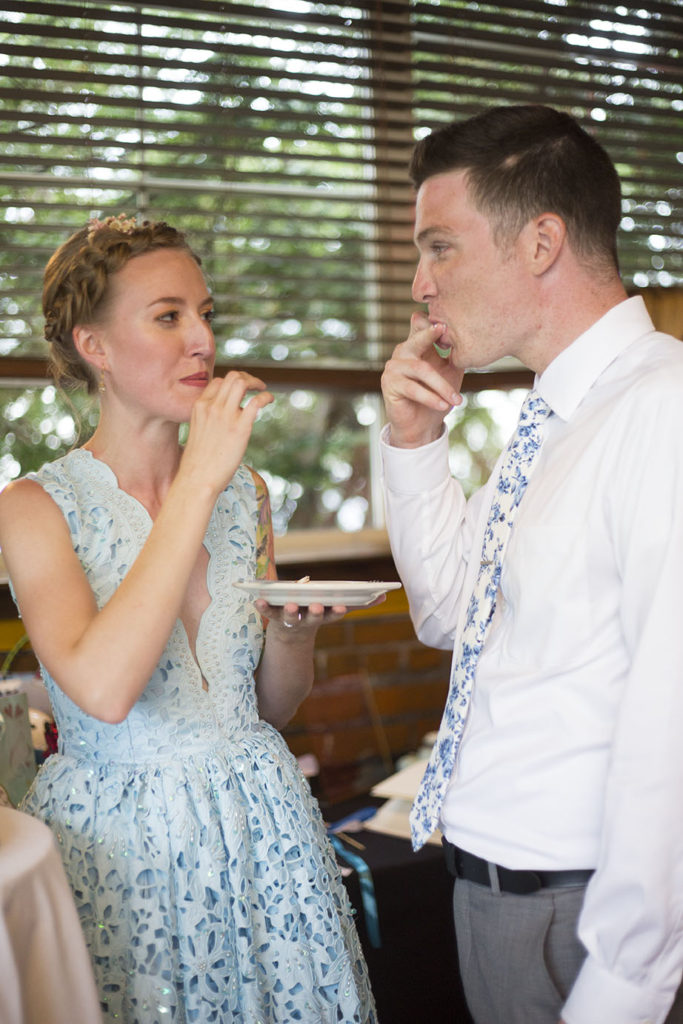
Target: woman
198,860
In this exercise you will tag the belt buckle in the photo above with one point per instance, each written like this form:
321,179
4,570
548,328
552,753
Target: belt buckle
519,883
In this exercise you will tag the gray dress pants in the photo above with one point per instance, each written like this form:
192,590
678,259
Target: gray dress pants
519,955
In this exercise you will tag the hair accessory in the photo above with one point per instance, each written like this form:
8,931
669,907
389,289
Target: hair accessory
126,225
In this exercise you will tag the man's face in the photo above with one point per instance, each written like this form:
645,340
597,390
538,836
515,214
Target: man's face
477,289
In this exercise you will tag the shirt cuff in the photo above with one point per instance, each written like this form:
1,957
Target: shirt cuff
414,470
598,996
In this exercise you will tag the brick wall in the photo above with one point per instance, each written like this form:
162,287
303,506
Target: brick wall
377,691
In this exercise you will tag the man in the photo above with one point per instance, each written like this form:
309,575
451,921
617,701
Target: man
560,802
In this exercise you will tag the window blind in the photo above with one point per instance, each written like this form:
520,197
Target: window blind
278,136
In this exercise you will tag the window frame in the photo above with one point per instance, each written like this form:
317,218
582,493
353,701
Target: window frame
408,52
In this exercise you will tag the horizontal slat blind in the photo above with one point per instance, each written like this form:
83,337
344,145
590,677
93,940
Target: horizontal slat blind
619,69
278,136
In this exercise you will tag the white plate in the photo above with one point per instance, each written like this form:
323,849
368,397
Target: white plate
351,593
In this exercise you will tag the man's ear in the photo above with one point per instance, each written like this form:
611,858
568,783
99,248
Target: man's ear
546,237
88,344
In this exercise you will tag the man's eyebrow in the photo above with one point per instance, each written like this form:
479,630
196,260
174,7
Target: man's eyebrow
427,233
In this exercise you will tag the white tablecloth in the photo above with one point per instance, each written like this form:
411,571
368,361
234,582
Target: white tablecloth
46,977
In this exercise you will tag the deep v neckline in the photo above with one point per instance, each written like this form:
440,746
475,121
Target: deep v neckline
193,652
195,648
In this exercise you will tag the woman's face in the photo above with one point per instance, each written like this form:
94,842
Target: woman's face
157,337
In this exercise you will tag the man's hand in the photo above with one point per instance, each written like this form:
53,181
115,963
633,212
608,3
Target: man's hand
419,386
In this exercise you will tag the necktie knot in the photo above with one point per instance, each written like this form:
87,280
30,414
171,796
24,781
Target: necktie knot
534,410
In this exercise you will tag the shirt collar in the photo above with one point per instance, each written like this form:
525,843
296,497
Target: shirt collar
571,374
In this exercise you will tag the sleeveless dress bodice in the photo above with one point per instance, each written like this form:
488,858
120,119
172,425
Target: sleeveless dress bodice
201,870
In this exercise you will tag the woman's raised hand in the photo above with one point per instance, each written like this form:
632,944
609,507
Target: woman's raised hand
221,425
419,386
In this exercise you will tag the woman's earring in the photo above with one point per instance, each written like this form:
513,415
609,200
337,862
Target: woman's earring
101,387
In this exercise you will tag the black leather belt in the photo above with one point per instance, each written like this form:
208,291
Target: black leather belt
462,864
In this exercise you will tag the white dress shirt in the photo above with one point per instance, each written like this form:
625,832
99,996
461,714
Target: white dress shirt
572,755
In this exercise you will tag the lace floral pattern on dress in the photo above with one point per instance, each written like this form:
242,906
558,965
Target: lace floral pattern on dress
204,880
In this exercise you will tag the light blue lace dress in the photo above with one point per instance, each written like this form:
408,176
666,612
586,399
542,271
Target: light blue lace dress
197,856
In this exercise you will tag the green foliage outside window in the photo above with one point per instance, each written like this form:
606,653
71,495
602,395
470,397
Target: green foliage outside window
313,449
278,137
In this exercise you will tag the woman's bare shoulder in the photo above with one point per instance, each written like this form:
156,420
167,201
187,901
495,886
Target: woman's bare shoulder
25,506
25,490
22,493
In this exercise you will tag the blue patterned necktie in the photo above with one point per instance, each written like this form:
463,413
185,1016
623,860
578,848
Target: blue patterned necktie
513,477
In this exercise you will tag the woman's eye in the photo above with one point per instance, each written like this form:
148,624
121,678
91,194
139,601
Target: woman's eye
169,317
209,315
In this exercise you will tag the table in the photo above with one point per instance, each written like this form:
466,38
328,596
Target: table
46,973
414,974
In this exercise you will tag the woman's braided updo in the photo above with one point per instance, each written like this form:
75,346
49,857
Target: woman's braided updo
76,284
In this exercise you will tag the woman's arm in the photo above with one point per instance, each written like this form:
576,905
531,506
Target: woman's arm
103,658
285,674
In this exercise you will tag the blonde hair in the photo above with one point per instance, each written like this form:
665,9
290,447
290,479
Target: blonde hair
76,284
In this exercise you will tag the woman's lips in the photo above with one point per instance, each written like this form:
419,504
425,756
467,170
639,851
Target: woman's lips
196,380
